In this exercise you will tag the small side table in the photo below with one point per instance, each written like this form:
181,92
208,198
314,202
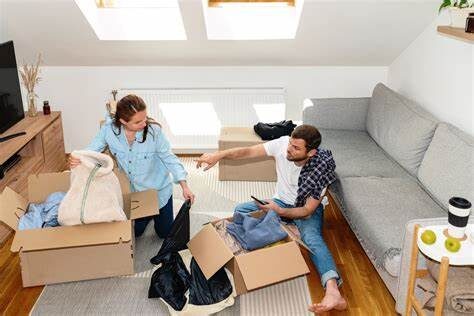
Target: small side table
437,252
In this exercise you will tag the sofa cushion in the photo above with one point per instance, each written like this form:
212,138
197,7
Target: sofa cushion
356,154
336,113
447,169
378,209
400,126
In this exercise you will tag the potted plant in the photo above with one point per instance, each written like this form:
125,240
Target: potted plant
459,11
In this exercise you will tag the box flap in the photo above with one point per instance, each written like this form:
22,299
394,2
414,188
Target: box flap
72,236
286,262
209,250
43,184
123,179
12,207
143,204
295,238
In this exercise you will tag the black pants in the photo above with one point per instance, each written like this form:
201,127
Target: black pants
162,222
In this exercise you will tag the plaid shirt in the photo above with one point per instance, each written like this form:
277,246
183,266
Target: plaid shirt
316,174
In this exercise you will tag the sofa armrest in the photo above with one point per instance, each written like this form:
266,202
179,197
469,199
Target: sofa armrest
337,113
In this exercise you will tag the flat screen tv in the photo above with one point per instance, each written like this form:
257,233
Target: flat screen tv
11,104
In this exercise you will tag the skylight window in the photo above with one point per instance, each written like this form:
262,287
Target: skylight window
267,3
252,19
134,19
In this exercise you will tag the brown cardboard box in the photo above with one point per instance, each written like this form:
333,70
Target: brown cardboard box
256,169
73,253
252,270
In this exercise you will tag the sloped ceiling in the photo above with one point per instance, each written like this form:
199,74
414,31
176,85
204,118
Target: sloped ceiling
331,33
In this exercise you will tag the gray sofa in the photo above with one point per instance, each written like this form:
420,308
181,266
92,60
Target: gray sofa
395,163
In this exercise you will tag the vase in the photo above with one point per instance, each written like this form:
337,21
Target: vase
32,104
459,16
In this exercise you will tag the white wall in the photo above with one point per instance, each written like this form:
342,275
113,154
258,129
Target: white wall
3,27
438,71
81,92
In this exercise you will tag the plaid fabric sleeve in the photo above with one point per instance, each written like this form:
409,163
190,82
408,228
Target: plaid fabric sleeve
321,179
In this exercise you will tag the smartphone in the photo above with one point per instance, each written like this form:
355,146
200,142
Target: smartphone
258,201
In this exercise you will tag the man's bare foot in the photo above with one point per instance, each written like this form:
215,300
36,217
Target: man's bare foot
332,300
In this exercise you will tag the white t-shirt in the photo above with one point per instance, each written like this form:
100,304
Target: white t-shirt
287,172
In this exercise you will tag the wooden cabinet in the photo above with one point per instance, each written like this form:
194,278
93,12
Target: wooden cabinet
53,147
41,150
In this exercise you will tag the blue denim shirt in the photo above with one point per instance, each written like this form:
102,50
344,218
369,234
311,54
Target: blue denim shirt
149,165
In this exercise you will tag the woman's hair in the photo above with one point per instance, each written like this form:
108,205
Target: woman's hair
126,109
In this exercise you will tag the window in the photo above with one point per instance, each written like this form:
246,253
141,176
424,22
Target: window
219,3
251,20
134,19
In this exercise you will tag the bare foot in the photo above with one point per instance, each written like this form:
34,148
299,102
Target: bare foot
332,300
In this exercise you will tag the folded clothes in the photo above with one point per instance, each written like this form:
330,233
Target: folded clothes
254,233
44,214
230,241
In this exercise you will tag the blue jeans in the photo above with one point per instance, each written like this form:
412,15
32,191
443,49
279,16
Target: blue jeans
162,221
311,230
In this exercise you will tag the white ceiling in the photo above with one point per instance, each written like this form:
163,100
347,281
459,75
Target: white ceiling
331,33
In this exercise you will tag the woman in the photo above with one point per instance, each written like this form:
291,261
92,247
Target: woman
144,154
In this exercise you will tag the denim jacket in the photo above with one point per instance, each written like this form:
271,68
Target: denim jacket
149,165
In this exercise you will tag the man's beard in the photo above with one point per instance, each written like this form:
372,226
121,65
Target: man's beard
297,159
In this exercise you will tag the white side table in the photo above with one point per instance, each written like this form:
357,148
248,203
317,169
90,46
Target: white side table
437,252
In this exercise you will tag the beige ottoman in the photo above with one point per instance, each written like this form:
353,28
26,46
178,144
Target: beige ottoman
255,169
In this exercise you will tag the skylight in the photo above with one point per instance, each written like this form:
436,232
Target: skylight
251,20
134,19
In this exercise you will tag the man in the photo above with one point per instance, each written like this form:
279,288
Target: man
303,173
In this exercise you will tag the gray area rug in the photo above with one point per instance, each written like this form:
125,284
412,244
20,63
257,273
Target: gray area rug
128,295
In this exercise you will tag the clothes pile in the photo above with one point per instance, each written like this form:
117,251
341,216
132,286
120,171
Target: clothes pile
233,242
94,196
269,131
41,215
253,232
179,282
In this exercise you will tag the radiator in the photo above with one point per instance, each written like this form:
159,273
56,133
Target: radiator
192,118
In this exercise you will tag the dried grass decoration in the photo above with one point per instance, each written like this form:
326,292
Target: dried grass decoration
30,78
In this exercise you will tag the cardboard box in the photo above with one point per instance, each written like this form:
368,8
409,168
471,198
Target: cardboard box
256,169
73,253
252,270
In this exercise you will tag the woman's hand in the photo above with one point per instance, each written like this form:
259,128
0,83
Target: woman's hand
73,162
187,194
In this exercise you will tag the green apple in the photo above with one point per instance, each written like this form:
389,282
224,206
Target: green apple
452,244
428,237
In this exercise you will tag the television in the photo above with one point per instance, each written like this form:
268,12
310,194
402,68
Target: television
11,104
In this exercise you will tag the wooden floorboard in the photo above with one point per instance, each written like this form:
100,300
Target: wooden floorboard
363,289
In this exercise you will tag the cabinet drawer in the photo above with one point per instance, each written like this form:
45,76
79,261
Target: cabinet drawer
53,130
53,147
17,178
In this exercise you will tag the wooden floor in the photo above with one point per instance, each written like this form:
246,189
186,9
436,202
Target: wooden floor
363,289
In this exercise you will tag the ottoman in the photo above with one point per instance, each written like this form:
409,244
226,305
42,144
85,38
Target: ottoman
255,169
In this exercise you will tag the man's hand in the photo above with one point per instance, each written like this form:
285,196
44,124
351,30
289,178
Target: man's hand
271,206
210,159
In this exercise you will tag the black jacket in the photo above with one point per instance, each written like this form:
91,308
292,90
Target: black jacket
269,131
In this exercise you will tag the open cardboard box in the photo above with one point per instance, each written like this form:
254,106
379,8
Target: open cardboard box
73,253
252,270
